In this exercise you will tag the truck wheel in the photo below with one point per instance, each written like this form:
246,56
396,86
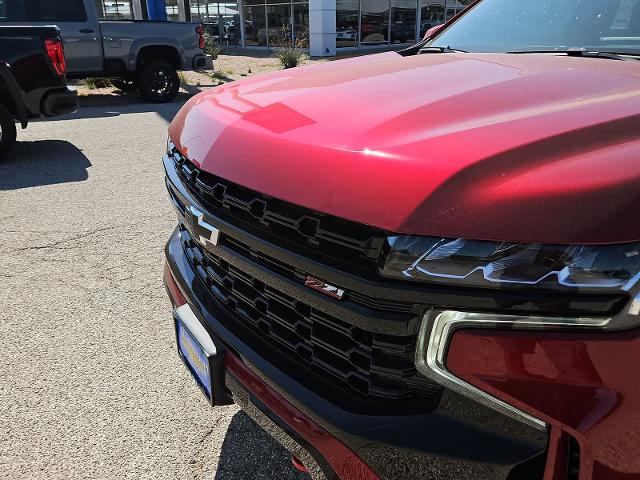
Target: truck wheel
159,82
125,85
7,131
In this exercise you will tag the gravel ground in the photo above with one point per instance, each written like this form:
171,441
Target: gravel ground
233,65
227,68
91,386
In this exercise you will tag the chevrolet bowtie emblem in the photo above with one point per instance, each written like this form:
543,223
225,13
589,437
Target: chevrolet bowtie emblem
206,233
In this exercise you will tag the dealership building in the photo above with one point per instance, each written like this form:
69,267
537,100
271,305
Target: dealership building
325,27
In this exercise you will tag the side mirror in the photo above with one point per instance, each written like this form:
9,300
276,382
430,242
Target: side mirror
432,32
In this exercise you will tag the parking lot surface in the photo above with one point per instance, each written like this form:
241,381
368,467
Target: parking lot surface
91,385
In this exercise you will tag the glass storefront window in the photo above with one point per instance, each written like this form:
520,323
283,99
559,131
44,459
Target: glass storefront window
229,23
374,21
403,21
198,11
436,12
255,25
114,9
221,20
276,24
279,25
301,24
173,14
379,22
347,23
432,13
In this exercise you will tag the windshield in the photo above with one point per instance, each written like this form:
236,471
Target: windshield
517,25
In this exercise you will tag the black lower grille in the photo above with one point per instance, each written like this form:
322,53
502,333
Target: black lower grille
364,363
335,241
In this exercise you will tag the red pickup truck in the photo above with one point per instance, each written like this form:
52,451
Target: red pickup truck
425,264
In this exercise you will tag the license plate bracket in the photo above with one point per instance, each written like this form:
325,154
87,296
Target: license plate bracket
202,354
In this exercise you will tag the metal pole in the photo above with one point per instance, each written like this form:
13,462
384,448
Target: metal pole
241,13
418,20
389,22
184,14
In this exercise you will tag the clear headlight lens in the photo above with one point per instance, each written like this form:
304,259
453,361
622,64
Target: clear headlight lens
498,264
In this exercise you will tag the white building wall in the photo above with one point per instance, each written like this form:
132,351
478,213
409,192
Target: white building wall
137,9
322,28
182,11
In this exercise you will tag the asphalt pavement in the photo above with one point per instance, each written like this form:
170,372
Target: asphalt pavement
90,384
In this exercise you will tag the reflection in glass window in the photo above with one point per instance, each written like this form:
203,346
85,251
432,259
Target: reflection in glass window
279,25
301,24
221,20
432,13
374,21
456,6
13,11
276,24
347,12
111,9
198,11
255,25
403,21
229,23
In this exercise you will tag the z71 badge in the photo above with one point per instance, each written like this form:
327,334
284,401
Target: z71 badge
323,287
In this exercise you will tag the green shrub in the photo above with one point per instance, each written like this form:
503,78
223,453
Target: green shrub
211,47
289,51
289,56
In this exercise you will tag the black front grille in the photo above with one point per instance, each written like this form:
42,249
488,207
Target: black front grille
335,241
293,273
364,363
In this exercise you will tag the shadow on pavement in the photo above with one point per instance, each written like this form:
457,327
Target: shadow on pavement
249,452
114,105
45,162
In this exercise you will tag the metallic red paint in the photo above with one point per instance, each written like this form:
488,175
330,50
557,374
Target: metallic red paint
585,384
346,464
527,148
175,295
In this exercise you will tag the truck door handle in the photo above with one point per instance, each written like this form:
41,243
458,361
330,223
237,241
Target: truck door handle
87,30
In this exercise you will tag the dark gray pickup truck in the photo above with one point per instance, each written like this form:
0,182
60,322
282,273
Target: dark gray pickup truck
143,55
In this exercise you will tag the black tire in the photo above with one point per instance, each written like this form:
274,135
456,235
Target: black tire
125,85
158,82
7,131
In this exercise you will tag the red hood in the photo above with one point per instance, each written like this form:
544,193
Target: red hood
525,148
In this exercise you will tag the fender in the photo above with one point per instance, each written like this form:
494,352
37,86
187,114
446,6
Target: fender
152,42
9,81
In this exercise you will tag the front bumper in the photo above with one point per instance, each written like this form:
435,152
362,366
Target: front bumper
459,439
60,102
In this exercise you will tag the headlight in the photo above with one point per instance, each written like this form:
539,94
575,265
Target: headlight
170,146
498,264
